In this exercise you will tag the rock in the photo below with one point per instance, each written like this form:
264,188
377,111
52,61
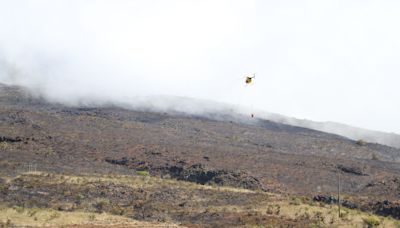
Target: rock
325,199
333,200
387,208
352,170
10,139
122,161
196,173
199,174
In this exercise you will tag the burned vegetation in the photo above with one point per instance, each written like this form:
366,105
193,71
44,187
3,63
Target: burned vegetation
182,170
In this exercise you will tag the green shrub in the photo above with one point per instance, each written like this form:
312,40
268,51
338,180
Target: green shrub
79,198
371,221
144,173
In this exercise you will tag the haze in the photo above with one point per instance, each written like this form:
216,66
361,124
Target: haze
319,60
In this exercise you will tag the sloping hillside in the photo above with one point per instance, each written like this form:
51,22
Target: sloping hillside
258,155
45,199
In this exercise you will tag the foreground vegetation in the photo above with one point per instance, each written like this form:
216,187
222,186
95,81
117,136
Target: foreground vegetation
47,199
38,217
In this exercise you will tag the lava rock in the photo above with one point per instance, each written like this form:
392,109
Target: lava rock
352,170
10,139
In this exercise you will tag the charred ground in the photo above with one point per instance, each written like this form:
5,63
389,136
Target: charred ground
254,154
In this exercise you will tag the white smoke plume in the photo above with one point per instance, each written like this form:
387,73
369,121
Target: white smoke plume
321,60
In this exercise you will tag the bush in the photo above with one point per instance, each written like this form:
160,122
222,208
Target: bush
101,205
33,211
344,214
92,217
374,157
270,210
54,216
295,201
79,198
116,210
143,173
371,221
4,146
319,216
361,142
19,209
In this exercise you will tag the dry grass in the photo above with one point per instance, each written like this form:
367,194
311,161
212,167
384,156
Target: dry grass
276,205
5,146
132,181
323,215
34,217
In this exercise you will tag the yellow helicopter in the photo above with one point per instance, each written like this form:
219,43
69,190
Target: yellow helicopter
249,79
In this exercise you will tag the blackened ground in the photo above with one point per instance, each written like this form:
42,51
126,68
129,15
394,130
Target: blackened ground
261,154
196,173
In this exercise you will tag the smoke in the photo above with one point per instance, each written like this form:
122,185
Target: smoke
334,61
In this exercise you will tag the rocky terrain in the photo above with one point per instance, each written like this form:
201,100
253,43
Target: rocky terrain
258,155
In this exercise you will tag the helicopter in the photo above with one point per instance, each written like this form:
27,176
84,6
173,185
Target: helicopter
249,79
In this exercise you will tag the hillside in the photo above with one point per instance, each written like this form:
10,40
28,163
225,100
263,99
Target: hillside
389,139
258,155
45,199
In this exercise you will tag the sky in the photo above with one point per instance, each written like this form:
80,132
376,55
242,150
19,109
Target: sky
328,60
